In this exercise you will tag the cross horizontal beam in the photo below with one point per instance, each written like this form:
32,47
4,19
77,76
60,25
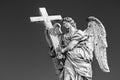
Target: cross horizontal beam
34,19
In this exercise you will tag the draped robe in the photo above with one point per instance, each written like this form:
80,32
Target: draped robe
78,59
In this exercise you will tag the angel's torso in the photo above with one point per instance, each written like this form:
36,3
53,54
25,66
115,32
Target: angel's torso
81,56
83,50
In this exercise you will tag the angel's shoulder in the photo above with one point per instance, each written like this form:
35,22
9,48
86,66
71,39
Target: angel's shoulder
80,32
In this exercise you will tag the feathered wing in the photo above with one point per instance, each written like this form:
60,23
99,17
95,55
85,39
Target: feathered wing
97,31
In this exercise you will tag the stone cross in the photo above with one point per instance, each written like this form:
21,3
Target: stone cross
47,21
44,17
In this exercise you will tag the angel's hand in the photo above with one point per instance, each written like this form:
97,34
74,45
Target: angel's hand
63,50
58,49
60,56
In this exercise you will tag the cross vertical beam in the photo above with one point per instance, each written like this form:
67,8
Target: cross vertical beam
47,21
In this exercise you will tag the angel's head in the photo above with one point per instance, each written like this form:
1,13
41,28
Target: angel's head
69,24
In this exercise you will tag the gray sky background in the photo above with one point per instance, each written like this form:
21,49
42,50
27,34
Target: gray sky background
24,50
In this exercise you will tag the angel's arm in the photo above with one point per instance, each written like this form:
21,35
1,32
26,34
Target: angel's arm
75,41
70,46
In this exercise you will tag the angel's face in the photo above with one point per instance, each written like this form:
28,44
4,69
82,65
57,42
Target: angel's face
66,24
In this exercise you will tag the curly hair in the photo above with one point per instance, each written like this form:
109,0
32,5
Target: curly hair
70,20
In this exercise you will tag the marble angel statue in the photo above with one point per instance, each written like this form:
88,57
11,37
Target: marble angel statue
74,55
